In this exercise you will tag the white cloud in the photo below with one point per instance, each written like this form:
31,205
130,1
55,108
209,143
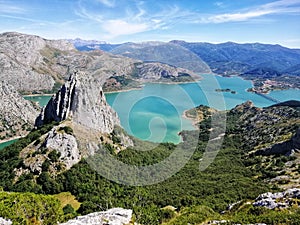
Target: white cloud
235,17
8,8
136,17
219,4
108,3
276,7
120,27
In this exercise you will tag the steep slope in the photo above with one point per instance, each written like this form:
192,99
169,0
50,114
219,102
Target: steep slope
26,61
82,100
235,175
84,122
17,115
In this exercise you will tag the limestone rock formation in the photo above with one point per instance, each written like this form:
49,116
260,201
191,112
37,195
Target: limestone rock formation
16,113
159,72
82,100
66,145
25,61
114,216
278,200
5,222
58,148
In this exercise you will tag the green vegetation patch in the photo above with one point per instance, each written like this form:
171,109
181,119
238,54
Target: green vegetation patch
29,208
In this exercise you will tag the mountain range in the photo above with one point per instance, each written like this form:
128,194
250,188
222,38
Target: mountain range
226,58
33,64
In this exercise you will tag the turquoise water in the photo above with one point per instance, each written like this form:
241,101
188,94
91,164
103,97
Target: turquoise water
154,113
291,94
41,99
7,143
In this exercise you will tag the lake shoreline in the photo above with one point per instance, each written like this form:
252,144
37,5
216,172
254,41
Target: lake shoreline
11,139
36,95
155,82
193,120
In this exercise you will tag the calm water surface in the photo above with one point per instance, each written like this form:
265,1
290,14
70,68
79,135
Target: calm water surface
155,112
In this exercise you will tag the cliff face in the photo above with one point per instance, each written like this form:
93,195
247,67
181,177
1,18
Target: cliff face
25,61
16,113
285,148
82,100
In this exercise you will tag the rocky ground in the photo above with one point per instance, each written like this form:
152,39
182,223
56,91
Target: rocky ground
115,216
17,115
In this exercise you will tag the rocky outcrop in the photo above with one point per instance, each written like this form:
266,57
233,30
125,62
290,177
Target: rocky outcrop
17,115
82,100
262,128
284,148
278,200
59,106
58,148
115,216
5,222
25,61
66,145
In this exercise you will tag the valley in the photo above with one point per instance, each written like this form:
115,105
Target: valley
180,148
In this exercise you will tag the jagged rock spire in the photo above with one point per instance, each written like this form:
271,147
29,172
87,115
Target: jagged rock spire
82,100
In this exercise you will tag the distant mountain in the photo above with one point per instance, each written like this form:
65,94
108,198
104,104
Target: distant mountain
232,58
33,64
153,51
168,53
225,59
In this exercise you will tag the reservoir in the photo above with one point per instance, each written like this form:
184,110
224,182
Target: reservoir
155,112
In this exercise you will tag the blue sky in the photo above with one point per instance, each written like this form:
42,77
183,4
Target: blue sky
116,21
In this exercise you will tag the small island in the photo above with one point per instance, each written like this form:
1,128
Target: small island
225,90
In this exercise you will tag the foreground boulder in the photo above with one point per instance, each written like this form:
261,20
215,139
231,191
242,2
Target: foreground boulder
5,222
114,216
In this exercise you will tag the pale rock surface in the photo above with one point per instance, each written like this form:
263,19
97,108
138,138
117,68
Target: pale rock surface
158,71
15,112
82,100
66,144
25,60
277,200
5,222
114,216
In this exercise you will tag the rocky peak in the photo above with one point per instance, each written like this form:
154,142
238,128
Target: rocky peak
82,100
